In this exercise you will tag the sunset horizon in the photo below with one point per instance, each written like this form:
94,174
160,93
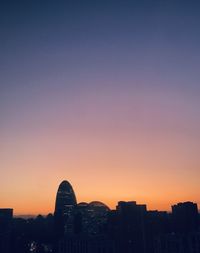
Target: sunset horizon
35,208
100,126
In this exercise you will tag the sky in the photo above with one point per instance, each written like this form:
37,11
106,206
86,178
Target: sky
104,94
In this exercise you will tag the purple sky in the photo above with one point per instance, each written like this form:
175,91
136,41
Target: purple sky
100,91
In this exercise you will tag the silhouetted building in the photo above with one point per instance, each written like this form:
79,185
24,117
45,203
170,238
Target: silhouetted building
97,217
6,216
65,198
64,208
81,218
89,235
157,223
94,228
184,236
185,217
131,231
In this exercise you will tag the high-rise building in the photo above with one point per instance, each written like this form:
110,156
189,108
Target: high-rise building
6,215
131,227
64,208
185,217
91,218
65,198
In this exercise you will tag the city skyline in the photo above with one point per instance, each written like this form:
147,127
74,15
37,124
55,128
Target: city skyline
66,197
103,93
93,228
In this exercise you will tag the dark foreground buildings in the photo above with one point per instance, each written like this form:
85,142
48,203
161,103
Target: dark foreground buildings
131,228
6,216
184,233
94,228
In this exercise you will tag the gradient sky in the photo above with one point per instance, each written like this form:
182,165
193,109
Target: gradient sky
104,94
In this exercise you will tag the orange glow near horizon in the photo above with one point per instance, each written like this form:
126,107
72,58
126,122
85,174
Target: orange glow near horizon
154,171
100,171
138,146
153,162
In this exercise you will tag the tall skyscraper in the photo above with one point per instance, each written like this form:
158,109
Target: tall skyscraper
64,207
65,198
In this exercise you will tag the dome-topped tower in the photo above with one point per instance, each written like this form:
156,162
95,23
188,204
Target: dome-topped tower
65,198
